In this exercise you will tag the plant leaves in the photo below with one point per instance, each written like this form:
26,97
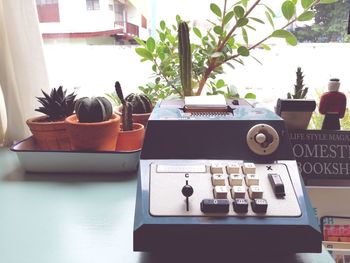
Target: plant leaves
244,3
288,36
239,11
242,21
144,53
151,44
215,9
306,3
266,47
250,95
270,11
306,16
228,17
294,1
218,30
197,32
269,18
257,20
327,1
139,41
220,83
288,9
162,25
243,51
245,35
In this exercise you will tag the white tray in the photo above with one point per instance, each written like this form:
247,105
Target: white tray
41,161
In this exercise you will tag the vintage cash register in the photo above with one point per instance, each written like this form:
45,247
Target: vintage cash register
218,178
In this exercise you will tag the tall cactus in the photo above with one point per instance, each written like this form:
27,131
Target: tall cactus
127,108
299,90
185,57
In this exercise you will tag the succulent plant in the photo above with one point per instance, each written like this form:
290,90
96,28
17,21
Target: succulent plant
127,108
140,103
299,90
95,109
185,58
58,105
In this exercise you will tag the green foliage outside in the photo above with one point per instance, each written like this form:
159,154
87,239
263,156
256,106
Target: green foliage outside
330,25
226,42
317,118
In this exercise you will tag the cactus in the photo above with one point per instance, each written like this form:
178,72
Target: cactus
299,90
127,108
185,57
140,103
95,109
57,106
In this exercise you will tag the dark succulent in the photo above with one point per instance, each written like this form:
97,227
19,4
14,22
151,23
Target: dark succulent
299,90
95,109
140,103
127,108
58,105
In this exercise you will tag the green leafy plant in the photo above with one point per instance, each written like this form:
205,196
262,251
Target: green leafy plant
299,90
58,105
220,44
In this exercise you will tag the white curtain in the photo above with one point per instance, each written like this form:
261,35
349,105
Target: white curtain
22,67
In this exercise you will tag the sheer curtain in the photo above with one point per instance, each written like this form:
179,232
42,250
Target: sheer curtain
22,67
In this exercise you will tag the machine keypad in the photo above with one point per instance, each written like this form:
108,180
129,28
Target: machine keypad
220,192
235,179
238,191
251,179
219,179
251,189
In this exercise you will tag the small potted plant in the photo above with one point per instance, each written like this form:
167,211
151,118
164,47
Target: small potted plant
131,134
94,127
296,110
49,131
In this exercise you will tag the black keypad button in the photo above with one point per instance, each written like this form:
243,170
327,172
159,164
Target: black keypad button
277,185
259,205
240,205
215,206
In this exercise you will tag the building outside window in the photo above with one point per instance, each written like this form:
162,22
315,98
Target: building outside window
92,4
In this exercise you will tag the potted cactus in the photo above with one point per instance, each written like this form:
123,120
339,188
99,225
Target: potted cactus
141,107
131,134
296,110
94,127
49,131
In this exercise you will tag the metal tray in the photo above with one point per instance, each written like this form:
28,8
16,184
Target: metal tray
41,161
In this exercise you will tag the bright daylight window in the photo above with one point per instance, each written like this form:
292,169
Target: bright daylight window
89,51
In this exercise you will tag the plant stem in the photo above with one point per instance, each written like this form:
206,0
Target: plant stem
221,45
212,65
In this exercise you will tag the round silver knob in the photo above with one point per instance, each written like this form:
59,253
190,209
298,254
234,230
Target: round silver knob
260,138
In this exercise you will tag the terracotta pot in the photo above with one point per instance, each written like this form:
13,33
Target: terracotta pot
96,136
141,118
131,140
49,135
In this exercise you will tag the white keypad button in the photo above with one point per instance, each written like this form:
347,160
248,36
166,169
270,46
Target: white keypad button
248,168
218,179
251,179
255,191
238,192
235,179
232,168
220,192
216,168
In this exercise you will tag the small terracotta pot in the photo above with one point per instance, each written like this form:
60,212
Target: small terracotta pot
49,135
131,140
141,118
95,136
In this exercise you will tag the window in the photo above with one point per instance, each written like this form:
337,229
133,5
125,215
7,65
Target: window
46,2
93,4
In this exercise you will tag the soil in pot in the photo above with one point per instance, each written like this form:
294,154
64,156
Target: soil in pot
131,140
49,135
95,136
